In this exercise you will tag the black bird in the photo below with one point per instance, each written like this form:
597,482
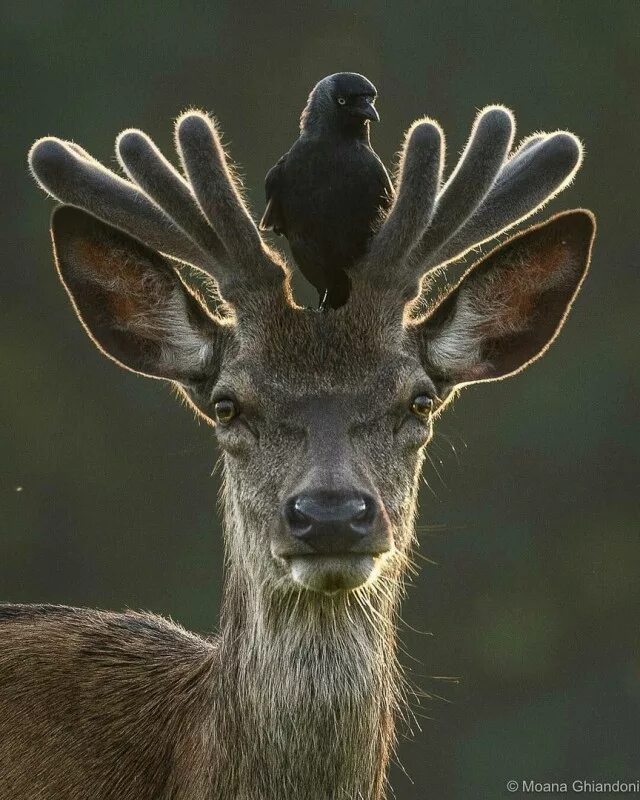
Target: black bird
326,193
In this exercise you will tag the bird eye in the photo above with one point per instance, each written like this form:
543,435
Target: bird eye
422,406
224,411
342,101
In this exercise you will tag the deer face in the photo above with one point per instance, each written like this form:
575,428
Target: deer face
322,418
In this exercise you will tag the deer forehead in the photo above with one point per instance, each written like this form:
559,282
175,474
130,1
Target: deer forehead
303,354
297,384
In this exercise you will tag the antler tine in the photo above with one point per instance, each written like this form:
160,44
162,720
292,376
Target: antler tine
217,193
536,173
528,143
146,166
475,174
419,176
81,152
66,171
420,221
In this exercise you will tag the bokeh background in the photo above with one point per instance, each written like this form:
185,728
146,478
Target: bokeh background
522,627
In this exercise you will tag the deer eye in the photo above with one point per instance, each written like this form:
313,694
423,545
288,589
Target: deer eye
422,406
342,101
224,411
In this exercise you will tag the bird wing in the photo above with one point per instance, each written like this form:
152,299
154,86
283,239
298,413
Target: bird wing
272,218
386,186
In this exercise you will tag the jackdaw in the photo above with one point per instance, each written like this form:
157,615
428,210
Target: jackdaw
326,194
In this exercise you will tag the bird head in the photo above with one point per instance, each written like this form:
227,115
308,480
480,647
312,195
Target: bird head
344,101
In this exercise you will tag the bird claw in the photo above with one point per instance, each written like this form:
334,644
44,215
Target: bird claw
319,310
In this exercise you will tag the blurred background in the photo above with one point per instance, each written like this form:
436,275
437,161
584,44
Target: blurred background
522,627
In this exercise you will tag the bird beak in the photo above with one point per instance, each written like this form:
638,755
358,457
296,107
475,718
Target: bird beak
367,109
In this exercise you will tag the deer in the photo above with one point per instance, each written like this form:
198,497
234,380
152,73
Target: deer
322,420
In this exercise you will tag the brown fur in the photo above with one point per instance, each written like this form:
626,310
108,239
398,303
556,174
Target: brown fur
297,695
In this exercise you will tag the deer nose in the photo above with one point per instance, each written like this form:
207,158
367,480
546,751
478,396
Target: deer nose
331,522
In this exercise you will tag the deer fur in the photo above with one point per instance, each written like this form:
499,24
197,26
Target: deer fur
298,693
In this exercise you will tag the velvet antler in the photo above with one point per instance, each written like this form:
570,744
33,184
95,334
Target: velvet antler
486,194
201,220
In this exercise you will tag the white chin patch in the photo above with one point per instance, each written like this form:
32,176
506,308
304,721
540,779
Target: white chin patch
332,574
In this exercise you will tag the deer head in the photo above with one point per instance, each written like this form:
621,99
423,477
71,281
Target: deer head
322,419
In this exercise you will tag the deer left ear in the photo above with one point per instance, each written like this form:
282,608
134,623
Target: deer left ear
131,300
509,307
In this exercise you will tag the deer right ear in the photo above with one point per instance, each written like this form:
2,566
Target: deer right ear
131,301
510,306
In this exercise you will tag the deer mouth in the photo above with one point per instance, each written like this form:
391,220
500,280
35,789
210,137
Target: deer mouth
335,573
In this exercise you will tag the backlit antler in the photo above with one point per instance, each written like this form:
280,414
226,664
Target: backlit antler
486,194
201,220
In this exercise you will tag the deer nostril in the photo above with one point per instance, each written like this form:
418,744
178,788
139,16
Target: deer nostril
297,509
330,521
362,510
295,515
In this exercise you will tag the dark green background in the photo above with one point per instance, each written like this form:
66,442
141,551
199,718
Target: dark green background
107,492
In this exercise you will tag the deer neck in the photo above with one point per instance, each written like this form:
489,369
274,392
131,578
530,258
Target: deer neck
306,696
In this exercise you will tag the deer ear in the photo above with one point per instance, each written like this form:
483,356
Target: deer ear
130,299
510,306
